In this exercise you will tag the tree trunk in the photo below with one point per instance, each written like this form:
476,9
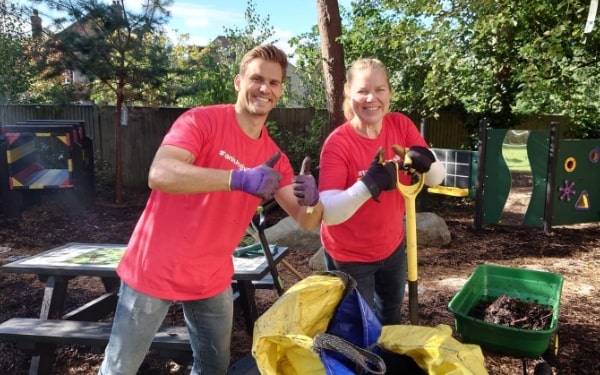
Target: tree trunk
330,29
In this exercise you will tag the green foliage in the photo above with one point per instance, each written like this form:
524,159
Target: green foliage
297,148
493,59
15,72
211,69
272,127
151,60
309,68
210,79
119,51
45,91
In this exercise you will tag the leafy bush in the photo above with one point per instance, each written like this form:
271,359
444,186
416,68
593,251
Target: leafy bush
298,147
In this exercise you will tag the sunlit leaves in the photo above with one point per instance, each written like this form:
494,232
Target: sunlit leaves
496,58
15,43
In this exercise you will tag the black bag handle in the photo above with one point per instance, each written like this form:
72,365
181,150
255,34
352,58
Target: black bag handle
349,282
366,362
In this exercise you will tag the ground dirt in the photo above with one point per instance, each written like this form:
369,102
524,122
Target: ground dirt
573,252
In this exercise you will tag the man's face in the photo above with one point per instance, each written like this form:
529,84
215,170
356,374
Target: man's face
260,87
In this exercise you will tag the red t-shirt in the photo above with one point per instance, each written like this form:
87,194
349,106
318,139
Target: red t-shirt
375,229
182,245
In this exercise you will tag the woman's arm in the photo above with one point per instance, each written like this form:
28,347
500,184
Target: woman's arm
340,205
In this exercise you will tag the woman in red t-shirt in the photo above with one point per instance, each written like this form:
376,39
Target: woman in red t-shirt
364,237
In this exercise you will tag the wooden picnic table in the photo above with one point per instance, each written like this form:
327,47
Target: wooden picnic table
57,266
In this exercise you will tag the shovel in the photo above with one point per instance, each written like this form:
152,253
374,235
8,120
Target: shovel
258,223
410,192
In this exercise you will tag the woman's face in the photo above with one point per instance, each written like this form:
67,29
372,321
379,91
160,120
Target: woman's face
370,96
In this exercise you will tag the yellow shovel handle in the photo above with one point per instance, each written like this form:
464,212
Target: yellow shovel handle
410,192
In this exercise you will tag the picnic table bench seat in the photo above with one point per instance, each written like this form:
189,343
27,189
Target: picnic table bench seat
35,335
32,334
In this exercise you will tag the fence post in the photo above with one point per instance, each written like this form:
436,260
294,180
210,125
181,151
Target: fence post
552,156
481,146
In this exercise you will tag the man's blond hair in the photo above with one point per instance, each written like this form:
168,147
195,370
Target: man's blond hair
267,52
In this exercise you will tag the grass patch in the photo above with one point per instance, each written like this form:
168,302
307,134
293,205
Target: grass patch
516,158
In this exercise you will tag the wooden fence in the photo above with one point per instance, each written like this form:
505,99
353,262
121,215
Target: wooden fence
146,126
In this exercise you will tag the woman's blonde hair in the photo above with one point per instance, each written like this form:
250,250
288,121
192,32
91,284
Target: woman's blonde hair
357,65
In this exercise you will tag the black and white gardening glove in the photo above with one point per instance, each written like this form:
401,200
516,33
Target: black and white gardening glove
423,161
419,158
381,175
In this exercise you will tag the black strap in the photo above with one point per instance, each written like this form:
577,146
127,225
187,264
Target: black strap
366,362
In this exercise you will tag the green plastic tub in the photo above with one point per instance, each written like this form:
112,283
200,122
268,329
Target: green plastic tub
487,283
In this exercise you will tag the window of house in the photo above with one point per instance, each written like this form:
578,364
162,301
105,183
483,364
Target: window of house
68,77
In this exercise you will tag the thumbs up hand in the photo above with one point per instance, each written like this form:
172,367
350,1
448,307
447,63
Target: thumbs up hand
305,169
305,186
261,181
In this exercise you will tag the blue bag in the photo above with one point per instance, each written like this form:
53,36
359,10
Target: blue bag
355,322
320,326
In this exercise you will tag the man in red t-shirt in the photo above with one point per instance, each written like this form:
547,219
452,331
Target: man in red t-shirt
212,170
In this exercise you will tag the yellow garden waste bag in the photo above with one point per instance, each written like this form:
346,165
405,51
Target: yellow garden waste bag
433,349
320,325
283,335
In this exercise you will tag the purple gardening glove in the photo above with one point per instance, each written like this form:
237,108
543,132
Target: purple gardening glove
261,181
305,187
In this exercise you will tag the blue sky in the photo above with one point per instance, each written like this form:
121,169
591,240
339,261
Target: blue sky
204,20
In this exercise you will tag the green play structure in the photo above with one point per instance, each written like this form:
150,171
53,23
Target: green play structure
565,174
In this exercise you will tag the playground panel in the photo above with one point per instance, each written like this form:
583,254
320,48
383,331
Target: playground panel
38,160
576,194
565,174
41,158
497,178
461,173
566,183
538,148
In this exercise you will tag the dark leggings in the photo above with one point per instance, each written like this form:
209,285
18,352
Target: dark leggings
381,283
